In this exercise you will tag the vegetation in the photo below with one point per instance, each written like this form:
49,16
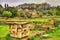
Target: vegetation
6,14
36,14
37,27
13,10
10,38
55,35
4,30
39,37
22,12
1,9
32,38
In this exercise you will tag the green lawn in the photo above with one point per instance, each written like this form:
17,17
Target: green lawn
3,30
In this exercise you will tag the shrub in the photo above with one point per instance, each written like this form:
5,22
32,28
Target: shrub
32,38
10,38
6,14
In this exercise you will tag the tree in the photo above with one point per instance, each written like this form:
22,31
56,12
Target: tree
20,13
13,10
1,9
58,7
50,13
6,14
29,15
58,10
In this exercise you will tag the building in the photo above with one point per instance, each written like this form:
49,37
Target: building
21,29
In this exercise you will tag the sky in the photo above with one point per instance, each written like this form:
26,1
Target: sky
17,2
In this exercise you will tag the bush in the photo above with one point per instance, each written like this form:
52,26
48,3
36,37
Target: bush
32,38
29,15
6,14
37,27
56,24
10,38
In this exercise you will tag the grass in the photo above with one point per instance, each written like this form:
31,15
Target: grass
32,31
39,37
3,30
28,20
36,28
55,34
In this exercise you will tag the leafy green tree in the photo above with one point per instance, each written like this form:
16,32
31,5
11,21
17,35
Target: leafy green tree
58,7
50,13
13,10
6,14
1,9
29,15
58,10
58,13
54,12
20,13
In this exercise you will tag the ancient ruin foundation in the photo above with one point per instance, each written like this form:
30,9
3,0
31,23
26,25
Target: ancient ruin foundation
21,29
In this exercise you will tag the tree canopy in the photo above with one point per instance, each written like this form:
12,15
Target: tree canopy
6,14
